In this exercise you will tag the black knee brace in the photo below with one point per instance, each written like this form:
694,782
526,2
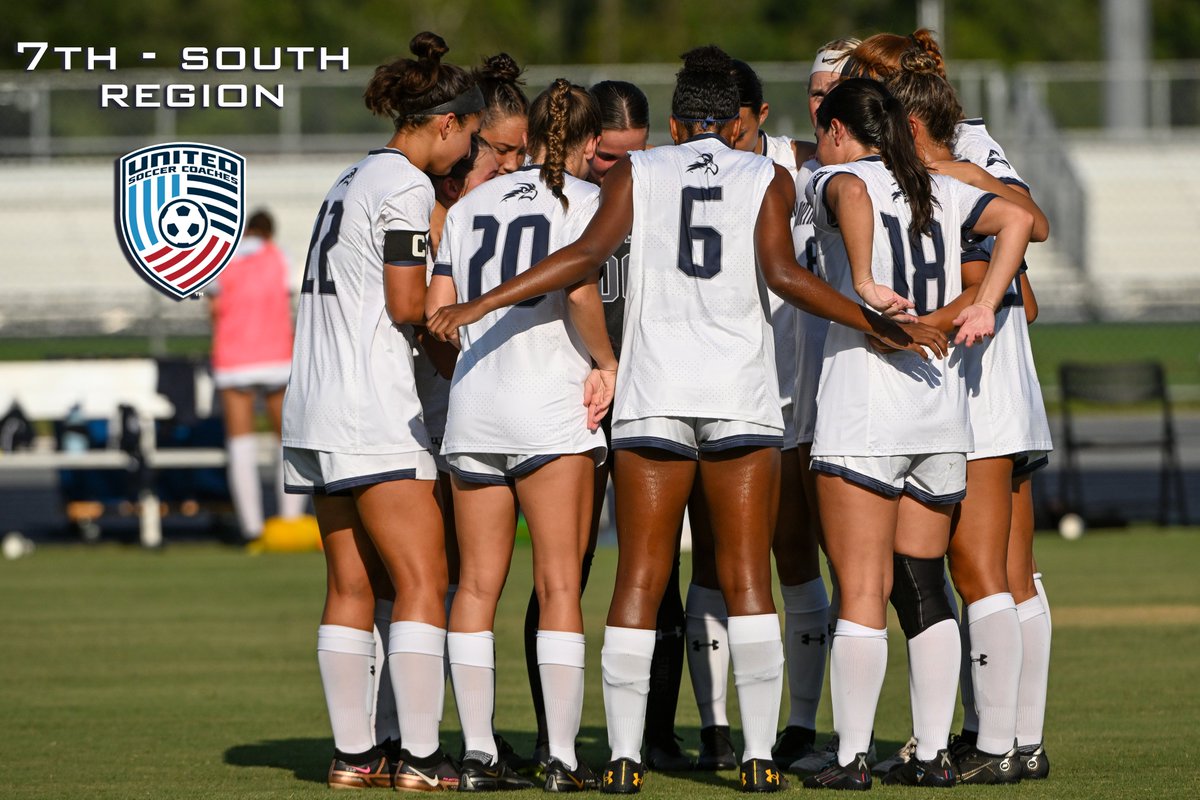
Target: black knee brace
918,594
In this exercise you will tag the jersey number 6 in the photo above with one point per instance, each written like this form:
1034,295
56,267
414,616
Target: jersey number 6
710,238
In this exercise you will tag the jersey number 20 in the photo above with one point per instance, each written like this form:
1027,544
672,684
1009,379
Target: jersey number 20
539,248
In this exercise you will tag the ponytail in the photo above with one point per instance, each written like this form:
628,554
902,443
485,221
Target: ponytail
877,119
561,118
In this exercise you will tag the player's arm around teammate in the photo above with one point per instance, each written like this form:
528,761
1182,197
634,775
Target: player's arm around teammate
525,405
352,426
887,489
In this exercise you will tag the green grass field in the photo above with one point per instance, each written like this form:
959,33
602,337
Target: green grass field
191,673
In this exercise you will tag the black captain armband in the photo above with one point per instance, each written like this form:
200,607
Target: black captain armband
405,248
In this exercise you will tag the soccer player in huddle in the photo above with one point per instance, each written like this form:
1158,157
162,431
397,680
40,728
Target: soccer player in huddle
352,423
1005,623
699,398
523,425
892,432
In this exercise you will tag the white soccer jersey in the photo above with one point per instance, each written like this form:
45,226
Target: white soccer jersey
518,383
898,404
811,329
698,339
352,388
785,317
1008,414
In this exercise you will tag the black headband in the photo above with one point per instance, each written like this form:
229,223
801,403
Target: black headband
469,102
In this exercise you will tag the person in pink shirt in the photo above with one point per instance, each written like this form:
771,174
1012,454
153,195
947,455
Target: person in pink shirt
252,355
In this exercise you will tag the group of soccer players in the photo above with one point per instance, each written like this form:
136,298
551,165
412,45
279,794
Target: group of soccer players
801,345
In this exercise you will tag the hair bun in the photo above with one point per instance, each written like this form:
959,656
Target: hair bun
501,67
708,58
428,46
918,62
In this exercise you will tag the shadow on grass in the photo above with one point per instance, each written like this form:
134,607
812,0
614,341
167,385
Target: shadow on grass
307,759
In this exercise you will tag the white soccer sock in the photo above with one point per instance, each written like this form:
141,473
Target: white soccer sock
473,665
708,652
1035,670
560,658
387,725
290,505
244,483
1041,591
416,652
756,650
805,640
625,664
857,664
346,657
933,664
996,669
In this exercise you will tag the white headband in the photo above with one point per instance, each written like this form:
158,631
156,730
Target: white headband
831,59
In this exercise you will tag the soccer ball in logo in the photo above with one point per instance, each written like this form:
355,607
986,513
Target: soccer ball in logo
182,223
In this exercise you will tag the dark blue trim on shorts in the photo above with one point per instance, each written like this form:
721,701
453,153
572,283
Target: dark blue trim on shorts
1030,467
934,499
368,480
313,491
742,440
480,477
857,478
528,466
634,442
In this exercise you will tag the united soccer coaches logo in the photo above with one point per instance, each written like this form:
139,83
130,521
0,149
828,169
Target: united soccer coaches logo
180,213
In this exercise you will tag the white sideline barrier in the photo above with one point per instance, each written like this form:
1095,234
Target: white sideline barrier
48,390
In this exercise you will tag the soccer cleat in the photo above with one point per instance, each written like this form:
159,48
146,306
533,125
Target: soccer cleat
623,776
517,762
761,775
374,773
825,757
477,775
794,743
901,756
559,778
977,767
716,749
855,776
1035,764
937,772
666,756
433,773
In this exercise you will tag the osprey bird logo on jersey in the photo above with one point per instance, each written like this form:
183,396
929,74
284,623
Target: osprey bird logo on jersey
705,163
180,213
523,191
995,158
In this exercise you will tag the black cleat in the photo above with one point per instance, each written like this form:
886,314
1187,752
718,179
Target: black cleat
855,776
937,772
977,767
794,744
666,756
716,749
561,779
510,757
623,776
476,775
1035,764
370,771
434,773
761,775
